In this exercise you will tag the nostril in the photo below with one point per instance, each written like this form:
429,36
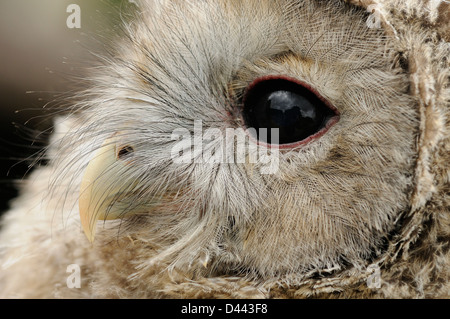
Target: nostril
125,152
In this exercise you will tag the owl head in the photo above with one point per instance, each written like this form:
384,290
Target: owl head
264,147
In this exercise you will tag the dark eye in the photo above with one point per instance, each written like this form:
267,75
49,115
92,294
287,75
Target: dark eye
293,108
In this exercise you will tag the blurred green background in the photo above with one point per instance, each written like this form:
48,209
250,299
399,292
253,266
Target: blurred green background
41,59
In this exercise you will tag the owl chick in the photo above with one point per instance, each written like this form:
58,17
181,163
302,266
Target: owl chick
248,149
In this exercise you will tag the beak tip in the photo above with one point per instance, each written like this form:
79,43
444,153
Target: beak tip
89,234
89,230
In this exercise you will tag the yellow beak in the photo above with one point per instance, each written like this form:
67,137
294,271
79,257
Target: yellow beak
101,187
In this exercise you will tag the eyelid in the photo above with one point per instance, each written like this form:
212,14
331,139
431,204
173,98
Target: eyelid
293,80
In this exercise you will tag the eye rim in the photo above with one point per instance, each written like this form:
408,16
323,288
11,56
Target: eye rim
331,122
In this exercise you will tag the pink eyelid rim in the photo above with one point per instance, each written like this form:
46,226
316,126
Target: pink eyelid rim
319,134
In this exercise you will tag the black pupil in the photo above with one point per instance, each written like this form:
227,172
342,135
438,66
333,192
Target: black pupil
281,104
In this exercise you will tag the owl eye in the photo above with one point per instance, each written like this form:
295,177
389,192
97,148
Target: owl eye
296,110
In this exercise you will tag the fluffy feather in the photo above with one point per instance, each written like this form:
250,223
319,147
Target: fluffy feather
373,190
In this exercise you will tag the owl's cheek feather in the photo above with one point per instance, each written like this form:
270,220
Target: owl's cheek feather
100,191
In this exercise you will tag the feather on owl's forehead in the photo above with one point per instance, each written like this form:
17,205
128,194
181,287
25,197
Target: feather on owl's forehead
200,43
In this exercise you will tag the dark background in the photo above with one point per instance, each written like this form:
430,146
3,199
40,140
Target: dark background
40,61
